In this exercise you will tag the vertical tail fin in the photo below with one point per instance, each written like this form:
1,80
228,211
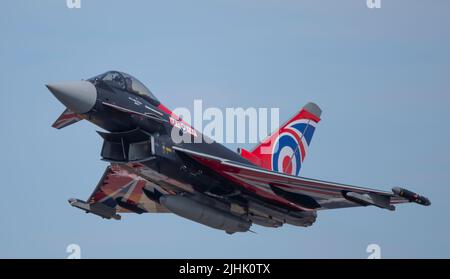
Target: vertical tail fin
285,150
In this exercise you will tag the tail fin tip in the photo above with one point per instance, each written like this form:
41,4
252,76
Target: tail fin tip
313,108
285,150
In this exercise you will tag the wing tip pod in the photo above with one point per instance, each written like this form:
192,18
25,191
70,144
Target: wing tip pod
411,196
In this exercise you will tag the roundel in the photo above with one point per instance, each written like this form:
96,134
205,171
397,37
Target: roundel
286,156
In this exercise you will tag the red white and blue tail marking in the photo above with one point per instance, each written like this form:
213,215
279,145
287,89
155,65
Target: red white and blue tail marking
286,149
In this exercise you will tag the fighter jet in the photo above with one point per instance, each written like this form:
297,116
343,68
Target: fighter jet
150,172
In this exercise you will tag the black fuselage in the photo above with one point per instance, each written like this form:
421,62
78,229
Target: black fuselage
131,116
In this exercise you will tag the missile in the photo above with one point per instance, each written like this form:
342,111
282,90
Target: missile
411,196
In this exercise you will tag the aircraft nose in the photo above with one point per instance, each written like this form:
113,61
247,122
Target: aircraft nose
78,96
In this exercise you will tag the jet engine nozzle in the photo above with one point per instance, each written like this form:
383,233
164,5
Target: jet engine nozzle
78,96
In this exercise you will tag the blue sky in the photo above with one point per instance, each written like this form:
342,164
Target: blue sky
381,77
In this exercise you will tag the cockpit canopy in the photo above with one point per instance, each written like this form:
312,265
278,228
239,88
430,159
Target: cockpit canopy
128,83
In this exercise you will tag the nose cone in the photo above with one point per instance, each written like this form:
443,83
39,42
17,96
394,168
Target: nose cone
78,96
